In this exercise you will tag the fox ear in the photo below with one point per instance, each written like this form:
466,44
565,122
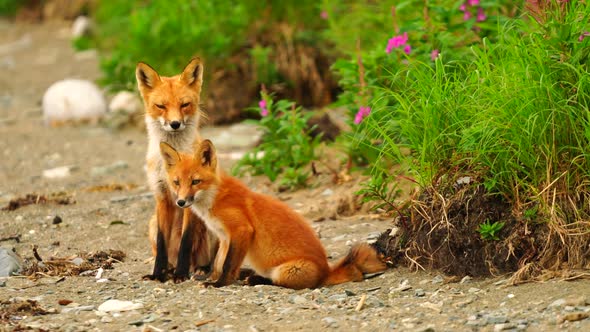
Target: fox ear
192,74
147,77
170,155
207,154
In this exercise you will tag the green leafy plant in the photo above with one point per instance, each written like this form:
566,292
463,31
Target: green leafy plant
489,231
9,7
381,188
287,146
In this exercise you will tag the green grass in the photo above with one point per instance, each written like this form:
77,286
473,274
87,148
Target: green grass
514,111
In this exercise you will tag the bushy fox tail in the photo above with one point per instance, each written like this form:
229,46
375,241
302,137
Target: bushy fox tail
361,259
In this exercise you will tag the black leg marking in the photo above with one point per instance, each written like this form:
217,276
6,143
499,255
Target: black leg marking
161,264
245,273
224,278
255,279
184,255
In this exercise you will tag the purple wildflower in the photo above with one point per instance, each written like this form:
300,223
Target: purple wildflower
583,35
397,42
363,112
463,7
263,109
434,54
473,2
466,16
407,49
324,15
481,16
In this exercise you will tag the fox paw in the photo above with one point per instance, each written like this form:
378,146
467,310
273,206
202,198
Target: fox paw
160,277
215,284
180,278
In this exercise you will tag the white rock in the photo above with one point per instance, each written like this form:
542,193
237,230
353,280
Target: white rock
126,101
81,26
73,99
58,172
118,305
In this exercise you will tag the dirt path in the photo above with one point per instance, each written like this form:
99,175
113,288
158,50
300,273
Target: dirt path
117,219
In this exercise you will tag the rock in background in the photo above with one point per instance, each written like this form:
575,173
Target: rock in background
73,100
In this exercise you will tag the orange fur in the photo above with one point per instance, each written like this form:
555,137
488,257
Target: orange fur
277,242
172,116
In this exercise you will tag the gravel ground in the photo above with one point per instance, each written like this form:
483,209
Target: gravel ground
399,299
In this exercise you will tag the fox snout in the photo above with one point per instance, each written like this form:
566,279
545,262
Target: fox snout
174,125
184,203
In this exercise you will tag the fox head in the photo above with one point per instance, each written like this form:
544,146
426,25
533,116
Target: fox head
191,177
172,101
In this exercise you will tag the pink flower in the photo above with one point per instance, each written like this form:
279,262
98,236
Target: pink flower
263,109
397,42
389,47
466,16
358,118
434,54
324,15
473,2
363,112
462,7
407,49
583,35
481,16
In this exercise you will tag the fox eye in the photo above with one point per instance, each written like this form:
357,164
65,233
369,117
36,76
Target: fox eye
176,182
160,106
195,182
185,105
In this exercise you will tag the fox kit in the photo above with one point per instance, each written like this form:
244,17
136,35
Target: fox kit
172,116
279,244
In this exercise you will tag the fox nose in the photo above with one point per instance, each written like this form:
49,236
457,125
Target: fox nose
175,124
180,202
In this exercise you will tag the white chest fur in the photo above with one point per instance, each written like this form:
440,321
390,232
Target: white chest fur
203,203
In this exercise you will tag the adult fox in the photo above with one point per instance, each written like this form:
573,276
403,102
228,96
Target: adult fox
172,115
279,244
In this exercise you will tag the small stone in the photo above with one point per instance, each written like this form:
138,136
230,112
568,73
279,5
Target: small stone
419,292
349,292
496,319
466,279
330,322
57,220
106,319
463,180
58,172
328,192
10,263
438,279
298,299
473,290
338,297
557,303
77,261
76,309
118,305
510,296
503,326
